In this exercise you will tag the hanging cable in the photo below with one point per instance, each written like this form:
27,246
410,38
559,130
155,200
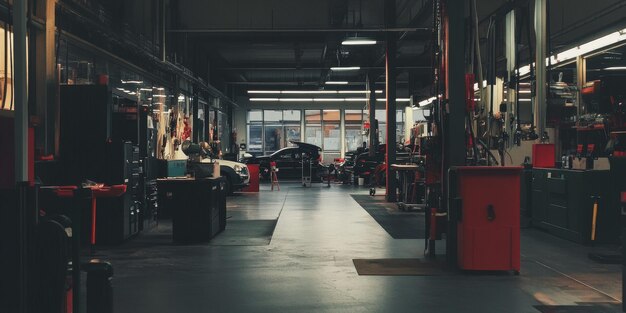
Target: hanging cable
11,38
6,64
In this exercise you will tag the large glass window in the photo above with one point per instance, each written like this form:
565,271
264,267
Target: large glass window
255,138
354,133
273,138
313,127
271,130
332,131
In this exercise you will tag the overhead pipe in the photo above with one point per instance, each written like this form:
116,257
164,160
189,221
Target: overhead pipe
299,30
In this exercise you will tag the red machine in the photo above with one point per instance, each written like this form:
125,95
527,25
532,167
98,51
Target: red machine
487,203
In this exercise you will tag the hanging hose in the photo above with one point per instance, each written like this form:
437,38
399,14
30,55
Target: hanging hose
479,65
12,69
6,64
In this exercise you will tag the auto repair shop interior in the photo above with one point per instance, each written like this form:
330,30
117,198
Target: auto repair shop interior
312,156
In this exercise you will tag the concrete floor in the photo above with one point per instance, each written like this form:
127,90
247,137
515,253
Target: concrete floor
307,267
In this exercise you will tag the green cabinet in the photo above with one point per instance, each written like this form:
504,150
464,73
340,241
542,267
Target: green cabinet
562,204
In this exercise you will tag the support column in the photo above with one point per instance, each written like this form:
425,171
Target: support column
454,129
21,91
390,75
540,61
371,83
195,102
511,54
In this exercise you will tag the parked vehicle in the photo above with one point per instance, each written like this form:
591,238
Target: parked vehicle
236,174
369,167
289,161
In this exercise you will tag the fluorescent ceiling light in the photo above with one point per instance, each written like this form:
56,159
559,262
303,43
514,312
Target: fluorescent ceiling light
347,68
308,92
132,82
525,100
145,89
263,99
586,48
264,91
356,99
159,96
328,100
159,88
616,68
397,100
358,42
295,99
336,83
312,92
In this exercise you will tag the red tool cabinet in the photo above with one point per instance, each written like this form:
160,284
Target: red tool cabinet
488,210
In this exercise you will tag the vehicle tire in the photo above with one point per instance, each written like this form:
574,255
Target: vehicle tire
228,187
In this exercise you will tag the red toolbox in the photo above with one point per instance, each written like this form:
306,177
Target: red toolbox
544,155
487,204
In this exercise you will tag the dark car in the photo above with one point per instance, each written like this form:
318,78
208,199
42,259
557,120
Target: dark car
289,161
365,165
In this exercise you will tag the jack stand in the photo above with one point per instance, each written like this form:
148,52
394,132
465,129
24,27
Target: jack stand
430,252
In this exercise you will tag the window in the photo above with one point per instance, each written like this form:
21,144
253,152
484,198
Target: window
313,128
273,138
271,130
255,116
354,129
292,116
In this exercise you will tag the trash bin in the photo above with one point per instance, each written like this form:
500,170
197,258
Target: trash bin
99,287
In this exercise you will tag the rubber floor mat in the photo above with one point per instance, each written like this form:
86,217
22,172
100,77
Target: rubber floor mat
398,224
246,233
581,308
401,267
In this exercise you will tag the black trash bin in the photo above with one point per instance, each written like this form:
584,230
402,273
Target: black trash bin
99,287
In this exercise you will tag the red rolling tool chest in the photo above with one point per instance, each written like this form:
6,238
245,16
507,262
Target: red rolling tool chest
488,210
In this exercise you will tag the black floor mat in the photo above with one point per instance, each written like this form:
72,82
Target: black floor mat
401,267
398,224
581,308
246,233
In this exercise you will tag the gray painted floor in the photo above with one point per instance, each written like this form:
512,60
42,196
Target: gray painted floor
307,267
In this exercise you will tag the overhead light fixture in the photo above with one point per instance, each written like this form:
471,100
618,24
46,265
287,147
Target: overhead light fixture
343,69
264,99
264,91
397,100
336,83
358,42
159,88
308,92
616,68
328,100
581,50
356,99
295,99
145,89
159,96
312,92
132,82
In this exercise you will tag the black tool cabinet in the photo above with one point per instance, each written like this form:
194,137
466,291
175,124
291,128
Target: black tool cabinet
197,207
562,204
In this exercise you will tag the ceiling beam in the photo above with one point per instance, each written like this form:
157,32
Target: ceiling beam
315,68
299,30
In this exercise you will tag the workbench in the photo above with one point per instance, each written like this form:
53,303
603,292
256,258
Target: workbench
562,204
408,192
197,207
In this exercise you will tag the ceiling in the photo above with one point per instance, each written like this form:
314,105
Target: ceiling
291,44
